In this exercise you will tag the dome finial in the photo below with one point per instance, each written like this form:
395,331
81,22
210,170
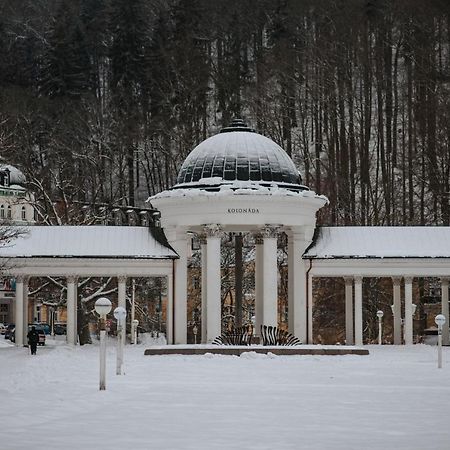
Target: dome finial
237,124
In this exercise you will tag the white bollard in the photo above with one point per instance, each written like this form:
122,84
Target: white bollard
380,315
135,324
103,307
120,314
440,321
102,359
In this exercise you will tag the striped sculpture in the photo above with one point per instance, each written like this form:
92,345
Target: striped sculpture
275,336
236,336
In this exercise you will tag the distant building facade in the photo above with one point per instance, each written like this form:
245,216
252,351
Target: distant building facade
16,202
16,208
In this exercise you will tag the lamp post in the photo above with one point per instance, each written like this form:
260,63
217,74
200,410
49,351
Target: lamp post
133,308
195,331
102,307
52,321
120,314
134,325
440,321
380,315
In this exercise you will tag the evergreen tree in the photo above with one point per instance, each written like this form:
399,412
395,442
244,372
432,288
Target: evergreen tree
129,28
66,68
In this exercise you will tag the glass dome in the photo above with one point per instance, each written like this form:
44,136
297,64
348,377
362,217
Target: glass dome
238,153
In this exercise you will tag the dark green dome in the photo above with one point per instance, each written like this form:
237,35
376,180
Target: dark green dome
238,153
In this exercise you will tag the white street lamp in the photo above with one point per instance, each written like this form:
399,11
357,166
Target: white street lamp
120,314
195,331
440,321
133,308
134,324
52,321
380,315
102,307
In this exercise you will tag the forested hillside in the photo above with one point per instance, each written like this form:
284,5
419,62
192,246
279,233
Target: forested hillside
101,100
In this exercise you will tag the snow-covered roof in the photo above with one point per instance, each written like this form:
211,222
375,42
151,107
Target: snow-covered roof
380,242
87,242
237,187
15,175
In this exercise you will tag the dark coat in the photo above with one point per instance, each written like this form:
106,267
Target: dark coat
33,337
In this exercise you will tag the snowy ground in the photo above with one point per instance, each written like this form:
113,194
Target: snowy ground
395,398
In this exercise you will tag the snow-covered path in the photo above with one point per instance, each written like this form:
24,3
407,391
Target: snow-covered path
395,398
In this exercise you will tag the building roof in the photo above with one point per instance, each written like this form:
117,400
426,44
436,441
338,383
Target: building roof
380,242
16,177
237,153
87,242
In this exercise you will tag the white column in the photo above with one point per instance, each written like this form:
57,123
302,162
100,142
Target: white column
204,286
397,311
408,311
169,310
445,312
213,275
122,300
259,287
179,241
71,308
25,309
19,311
270,276
310,309
121,291
358,312
297,316
75,310
349,311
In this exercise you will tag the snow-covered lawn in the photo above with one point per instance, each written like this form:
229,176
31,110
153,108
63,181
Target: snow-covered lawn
395,398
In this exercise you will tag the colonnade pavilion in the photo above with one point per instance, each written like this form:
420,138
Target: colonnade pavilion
237,181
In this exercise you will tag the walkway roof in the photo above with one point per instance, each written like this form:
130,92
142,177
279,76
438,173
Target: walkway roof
380,242
87,242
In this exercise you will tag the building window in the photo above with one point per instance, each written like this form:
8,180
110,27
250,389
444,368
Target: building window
24,213
2,212
8,212
4,178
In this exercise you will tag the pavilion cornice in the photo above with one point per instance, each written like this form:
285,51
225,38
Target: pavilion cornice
379,267
87,267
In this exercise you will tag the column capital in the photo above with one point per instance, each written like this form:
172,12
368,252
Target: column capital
358,279
396,281
445,280
408,280
72,279
122,278
212,230
20,278
270,231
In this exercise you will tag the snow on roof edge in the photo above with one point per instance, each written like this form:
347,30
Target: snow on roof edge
365,242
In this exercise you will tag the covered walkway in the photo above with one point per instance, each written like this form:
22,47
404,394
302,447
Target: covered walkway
84,251
399,253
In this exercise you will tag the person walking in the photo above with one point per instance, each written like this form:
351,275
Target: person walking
33,339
